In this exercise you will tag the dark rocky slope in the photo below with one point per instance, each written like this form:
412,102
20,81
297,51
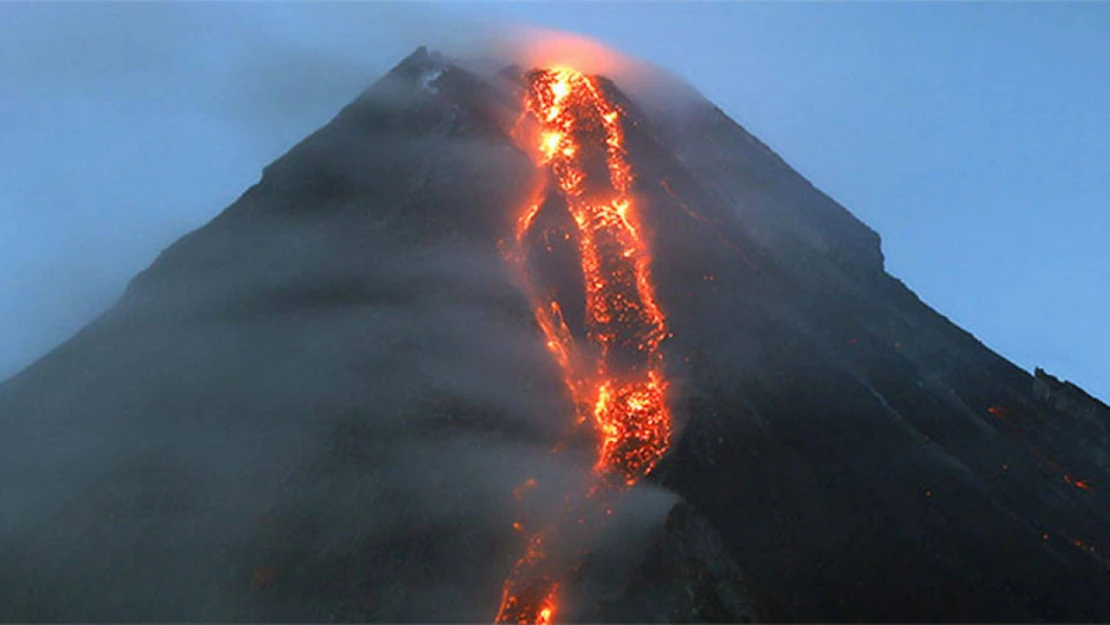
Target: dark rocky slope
315,407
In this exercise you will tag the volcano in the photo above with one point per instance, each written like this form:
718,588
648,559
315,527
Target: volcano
524,346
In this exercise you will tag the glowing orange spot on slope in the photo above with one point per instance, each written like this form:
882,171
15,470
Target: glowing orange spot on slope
527,485
551,143
529,607
1080,484
559,90
546,614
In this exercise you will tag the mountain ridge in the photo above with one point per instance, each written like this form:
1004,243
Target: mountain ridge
306,396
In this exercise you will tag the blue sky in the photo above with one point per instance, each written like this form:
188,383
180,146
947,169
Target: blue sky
971,136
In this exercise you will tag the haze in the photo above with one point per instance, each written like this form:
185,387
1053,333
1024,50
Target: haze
970,136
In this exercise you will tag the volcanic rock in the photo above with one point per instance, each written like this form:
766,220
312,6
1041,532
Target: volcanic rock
317,406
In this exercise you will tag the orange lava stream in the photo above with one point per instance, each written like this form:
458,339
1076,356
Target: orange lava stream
616,380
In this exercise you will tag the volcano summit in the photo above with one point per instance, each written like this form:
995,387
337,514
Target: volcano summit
526,347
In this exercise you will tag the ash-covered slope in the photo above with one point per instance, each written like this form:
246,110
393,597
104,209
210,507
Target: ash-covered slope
316,406
867,459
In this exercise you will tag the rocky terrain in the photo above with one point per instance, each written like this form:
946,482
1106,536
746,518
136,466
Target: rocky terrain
316,407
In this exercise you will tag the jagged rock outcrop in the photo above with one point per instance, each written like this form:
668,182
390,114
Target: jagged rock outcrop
1067,398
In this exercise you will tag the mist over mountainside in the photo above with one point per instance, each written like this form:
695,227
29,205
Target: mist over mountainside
317,406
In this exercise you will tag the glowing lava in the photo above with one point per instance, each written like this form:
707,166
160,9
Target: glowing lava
623,387
616,378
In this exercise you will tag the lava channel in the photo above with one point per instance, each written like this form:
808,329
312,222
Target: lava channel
616,379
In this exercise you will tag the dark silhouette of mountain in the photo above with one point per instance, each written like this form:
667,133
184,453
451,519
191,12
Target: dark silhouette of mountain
316,407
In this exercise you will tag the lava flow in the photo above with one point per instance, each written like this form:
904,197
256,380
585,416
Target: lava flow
616,378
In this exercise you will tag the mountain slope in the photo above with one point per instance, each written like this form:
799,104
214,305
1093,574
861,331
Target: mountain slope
316,407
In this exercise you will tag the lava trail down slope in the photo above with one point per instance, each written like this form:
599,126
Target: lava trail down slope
556,341
616,382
